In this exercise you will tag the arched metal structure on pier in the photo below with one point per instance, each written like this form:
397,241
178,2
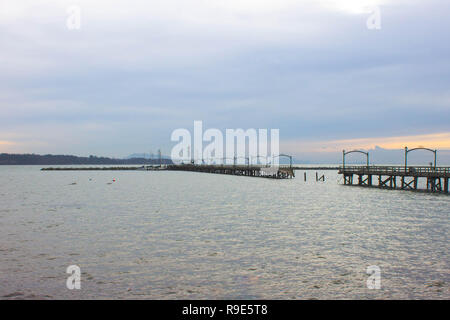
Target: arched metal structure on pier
420,148
344,153
259,157
235,159
285,155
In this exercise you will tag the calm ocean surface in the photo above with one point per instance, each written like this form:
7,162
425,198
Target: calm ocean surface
183,235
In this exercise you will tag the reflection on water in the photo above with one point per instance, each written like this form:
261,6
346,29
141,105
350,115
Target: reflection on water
172,235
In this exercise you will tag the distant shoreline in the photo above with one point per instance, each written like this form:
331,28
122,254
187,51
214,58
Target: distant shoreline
71,160
142,168
48,159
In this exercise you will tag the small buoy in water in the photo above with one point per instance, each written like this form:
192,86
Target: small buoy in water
114,180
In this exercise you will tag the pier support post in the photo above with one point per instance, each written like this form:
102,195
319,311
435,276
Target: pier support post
438,185
348,179
431,184
384,183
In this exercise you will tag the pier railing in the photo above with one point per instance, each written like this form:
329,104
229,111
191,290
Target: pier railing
395,170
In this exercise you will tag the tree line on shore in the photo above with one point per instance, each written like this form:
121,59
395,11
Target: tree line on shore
49,159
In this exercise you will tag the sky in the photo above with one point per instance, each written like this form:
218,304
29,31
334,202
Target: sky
134,71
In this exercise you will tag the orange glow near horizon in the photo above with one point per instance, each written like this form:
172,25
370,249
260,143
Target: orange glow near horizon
6,143
440,141
432,141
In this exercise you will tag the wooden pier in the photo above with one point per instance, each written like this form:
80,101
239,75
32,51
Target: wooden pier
398,177
280,172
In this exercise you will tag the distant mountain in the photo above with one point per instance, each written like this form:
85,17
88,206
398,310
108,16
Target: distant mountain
141,156
48,159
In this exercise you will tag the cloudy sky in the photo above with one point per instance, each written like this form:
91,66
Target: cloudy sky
137,70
